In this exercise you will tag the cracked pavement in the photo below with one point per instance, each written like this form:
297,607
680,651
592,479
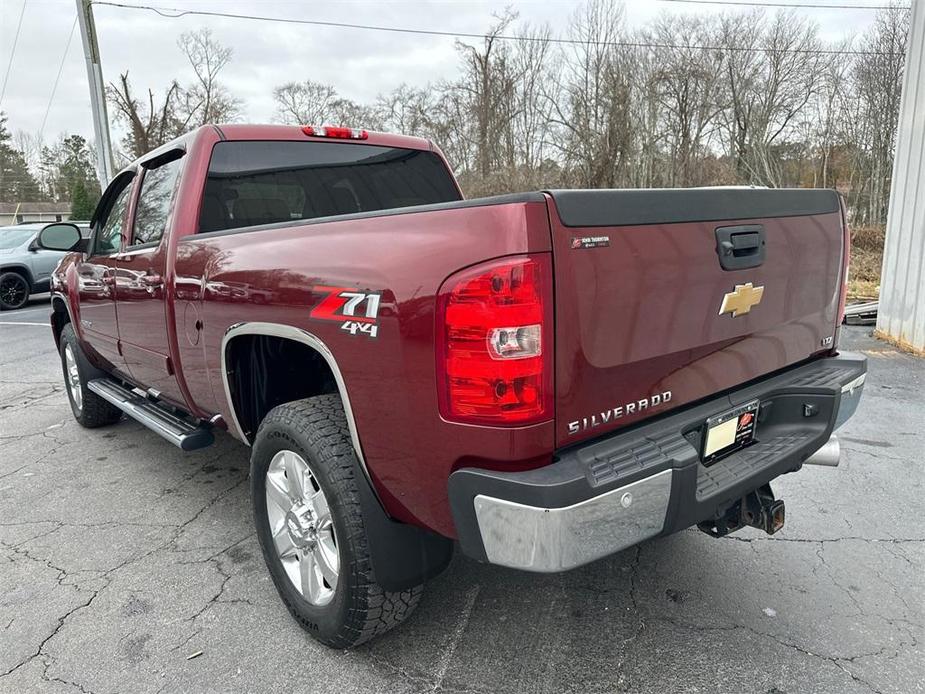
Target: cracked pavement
120,556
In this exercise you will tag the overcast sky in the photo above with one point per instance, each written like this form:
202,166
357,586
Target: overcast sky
358,63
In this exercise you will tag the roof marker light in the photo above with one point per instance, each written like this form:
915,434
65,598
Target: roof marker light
335,131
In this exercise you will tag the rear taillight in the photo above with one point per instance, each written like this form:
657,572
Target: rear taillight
494,343
846,263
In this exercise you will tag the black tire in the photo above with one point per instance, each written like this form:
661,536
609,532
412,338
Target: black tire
14,291
93,411
316,429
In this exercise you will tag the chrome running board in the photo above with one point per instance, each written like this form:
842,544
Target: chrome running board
153,415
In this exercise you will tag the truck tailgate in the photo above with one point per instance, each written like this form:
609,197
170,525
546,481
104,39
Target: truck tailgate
648,319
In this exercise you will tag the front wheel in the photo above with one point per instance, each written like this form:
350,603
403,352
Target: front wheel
89,409
14,291
311,530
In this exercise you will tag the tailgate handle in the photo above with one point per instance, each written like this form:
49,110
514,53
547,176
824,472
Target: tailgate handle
740,247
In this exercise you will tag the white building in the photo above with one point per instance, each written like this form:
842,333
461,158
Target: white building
901,315
19,212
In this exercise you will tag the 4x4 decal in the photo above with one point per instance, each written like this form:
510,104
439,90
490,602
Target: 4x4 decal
356,310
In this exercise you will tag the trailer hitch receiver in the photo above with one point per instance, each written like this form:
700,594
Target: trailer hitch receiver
758,509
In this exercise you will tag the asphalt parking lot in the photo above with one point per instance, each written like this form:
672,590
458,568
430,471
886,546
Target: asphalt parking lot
121,556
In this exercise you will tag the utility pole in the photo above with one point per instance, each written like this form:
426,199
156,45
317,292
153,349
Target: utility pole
104,164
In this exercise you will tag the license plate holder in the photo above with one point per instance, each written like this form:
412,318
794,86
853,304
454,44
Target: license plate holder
729,432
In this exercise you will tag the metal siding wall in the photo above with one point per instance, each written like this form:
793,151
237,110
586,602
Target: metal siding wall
902,288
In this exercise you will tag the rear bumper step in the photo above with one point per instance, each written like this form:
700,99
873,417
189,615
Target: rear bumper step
157,418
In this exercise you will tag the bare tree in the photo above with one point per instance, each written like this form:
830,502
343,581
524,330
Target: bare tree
150,124
405,110
593,109
488,82
304,103
773,70
532,114
878,84
207,100
687,87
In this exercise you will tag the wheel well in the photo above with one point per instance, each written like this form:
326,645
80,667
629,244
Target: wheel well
19,270
266,370
59,318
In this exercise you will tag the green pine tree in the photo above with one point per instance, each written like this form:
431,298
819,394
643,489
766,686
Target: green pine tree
82,205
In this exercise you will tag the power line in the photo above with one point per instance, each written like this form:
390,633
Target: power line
788,5
12,52
57,78
172,13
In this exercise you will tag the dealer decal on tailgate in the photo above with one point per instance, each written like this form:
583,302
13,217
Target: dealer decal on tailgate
356,310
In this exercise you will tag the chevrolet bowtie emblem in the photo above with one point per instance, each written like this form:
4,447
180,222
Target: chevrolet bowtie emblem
740,301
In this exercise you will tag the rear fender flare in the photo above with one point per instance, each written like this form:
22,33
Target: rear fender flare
289,332
402,555
57,298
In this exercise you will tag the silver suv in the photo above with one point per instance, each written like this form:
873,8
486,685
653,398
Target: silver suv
25,268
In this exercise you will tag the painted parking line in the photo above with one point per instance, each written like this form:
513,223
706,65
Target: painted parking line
37,309
44,325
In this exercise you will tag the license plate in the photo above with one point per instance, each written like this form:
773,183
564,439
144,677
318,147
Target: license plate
729,431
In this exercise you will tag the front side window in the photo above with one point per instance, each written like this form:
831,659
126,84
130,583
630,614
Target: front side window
253,183
155,201
109,238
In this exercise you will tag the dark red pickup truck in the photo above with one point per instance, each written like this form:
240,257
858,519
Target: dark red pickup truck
545,378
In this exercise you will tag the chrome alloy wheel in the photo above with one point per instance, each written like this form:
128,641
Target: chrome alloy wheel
302,527
73,377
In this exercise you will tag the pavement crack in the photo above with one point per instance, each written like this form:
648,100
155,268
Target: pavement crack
461,624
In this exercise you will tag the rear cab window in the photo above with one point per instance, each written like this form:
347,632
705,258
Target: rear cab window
265,182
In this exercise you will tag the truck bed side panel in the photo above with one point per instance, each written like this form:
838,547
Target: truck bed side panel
272,275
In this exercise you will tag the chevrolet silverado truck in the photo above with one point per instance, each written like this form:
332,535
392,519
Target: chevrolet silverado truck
542,378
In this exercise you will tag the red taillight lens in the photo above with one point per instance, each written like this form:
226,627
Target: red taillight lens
846,262
335,131
494,337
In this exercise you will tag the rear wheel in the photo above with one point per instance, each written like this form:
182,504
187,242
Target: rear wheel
89,408
310,527
14,291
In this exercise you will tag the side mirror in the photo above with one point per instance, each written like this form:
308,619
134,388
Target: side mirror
59,237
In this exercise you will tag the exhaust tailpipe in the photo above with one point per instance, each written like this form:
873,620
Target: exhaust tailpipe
829,454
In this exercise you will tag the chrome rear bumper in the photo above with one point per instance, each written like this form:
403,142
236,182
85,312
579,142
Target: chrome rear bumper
555,539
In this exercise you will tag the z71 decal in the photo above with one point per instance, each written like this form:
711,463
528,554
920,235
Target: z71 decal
355,310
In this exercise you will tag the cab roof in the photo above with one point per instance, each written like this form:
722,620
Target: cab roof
237,131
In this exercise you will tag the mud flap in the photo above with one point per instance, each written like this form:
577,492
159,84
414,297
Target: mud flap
403,555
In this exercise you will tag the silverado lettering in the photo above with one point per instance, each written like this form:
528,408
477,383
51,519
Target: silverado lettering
617,412
233,281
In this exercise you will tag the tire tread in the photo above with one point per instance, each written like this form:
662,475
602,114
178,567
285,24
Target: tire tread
321,421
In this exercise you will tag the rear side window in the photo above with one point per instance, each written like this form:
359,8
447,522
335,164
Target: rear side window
252,183
157,192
